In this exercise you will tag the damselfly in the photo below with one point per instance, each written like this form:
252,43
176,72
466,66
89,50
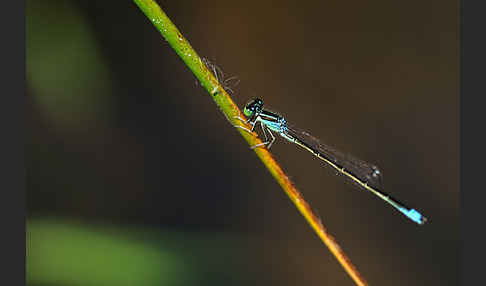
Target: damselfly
362,174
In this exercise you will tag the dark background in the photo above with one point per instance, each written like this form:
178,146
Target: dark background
134,177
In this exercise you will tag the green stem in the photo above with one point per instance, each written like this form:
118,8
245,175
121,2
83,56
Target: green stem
182,47
185,51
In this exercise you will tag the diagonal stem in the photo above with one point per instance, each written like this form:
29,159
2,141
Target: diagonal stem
182,47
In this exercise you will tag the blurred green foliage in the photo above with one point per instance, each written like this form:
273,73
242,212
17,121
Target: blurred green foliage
62,252
65,69
77,256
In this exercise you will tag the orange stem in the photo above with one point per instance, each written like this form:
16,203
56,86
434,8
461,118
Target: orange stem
182,47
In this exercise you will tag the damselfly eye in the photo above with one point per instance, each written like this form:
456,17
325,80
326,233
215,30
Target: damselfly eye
252,107
248,111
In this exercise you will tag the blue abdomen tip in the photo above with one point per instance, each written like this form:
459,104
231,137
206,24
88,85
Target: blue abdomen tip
416,216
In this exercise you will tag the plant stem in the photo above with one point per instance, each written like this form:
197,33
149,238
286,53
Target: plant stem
182,47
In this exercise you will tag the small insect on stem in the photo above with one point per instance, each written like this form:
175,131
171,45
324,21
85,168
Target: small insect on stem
228,84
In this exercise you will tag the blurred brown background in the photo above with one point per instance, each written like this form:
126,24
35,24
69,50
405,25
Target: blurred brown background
134,177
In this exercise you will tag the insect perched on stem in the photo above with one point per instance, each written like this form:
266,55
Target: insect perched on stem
362,174
229,83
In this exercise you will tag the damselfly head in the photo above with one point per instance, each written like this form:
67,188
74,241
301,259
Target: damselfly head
253,107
